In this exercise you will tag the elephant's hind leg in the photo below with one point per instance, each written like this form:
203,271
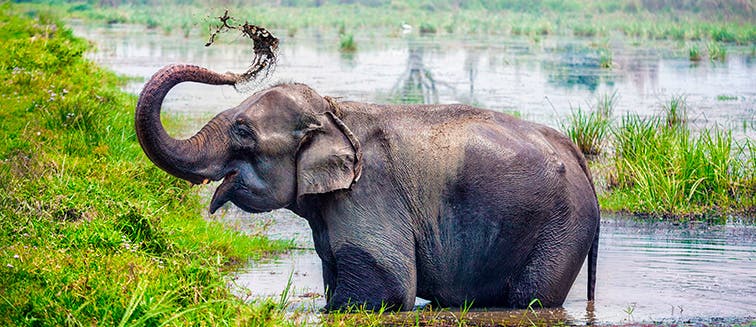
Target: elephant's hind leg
551,270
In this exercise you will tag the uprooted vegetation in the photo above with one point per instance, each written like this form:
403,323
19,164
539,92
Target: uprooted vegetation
264,47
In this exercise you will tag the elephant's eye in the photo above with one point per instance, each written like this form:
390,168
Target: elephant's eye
243,134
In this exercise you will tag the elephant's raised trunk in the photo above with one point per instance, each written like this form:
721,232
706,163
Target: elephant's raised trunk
194,159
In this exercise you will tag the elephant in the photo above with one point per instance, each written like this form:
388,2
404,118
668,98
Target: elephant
450,203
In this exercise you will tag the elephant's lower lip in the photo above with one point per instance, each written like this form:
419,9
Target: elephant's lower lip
223,192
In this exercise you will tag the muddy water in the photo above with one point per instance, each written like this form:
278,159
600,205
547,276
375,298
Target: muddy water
647,272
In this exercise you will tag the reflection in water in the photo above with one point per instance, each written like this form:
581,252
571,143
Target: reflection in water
472,58
416,85
518,76
574,66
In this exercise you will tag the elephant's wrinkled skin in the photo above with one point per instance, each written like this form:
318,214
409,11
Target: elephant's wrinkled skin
450,203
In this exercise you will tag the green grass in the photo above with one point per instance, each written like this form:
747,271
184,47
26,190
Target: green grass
675,112
717,51
605,58
91,232
462,316
347,44
694,53
660,167
726,97
663,168
646,20
589,128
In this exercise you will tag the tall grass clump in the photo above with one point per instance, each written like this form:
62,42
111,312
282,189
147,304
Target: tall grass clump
717,51
91,232
589,128
694,53
346,43
666,169
605,58
675,112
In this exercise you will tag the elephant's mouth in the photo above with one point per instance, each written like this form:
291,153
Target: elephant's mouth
233,189
223,192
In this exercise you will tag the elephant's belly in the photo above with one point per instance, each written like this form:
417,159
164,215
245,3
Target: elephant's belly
473,287
471,273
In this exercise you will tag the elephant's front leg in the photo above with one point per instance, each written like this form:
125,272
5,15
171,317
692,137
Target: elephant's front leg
373,277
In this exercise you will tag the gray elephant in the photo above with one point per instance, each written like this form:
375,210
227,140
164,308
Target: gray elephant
450,203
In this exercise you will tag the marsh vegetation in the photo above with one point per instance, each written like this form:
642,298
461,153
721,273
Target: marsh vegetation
659,166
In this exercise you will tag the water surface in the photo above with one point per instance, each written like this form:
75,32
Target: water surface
647,271
540,81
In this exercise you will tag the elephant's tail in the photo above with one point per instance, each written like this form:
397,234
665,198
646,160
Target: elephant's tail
592,258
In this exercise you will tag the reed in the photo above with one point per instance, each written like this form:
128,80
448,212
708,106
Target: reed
665,169
589,128
694,53
717,51
347,43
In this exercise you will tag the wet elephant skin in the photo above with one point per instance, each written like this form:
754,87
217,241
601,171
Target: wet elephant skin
451,203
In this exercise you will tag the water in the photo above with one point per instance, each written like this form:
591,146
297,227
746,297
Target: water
646,271
540,81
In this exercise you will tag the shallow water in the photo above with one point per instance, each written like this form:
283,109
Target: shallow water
646,271
540,81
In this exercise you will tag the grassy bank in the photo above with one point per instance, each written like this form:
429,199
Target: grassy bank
91,232
660,166
727,21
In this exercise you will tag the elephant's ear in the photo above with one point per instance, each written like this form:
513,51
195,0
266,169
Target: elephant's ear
329,158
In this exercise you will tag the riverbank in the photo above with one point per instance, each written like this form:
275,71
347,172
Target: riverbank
91,232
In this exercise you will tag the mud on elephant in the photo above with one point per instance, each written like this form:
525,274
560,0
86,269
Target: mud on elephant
450,203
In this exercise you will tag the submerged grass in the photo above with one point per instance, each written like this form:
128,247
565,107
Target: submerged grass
429,315
92,233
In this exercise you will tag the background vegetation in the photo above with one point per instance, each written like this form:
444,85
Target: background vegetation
729,21
91,232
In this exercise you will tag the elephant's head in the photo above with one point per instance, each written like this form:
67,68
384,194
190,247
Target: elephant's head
275,147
